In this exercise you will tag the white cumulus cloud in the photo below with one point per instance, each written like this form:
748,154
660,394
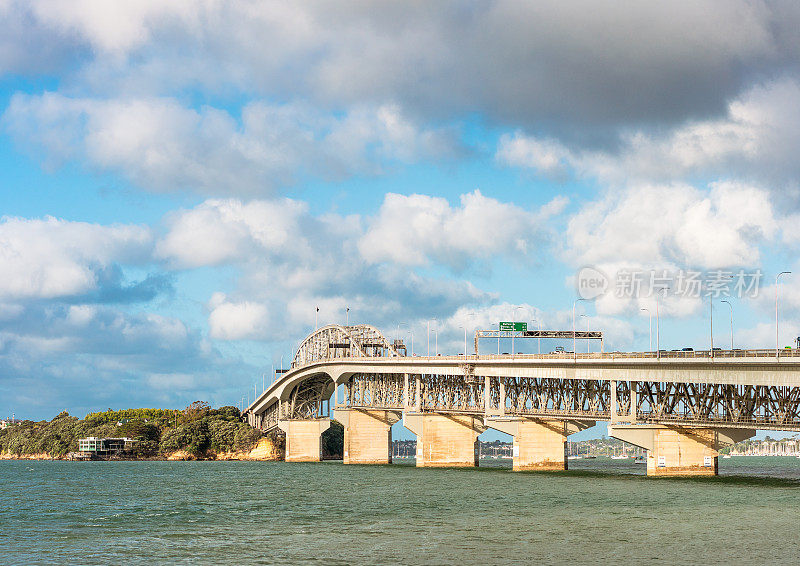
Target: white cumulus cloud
420,229
48,258
162,145
237,320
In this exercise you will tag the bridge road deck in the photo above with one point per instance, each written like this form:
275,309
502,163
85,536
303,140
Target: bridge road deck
718,391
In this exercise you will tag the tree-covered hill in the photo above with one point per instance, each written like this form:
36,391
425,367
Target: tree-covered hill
198,430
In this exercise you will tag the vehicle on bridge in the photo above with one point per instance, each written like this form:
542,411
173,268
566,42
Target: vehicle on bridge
682,406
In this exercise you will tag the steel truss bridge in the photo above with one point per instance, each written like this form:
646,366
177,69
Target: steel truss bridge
747,389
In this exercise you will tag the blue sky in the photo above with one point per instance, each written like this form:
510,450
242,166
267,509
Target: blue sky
184,183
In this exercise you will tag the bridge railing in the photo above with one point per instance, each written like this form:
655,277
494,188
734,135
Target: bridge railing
664,354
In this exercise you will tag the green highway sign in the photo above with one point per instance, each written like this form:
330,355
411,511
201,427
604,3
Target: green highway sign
513,326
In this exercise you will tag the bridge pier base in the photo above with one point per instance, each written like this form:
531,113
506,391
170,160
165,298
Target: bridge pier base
367,435
445,440
539,444
304,439
680,451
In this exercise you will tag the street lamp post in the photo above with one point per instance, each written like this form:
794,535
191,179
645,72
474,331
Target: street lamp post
539,328
658,324
574,352
650,316
731,307
465,338
777,339
711,318
347,316
513,352
472,315
410,330
429,335
586,316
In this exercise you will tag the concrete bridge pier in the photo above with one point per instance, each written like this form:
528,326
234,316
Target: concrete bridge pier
680,450
367,435
539,444
304,438
445,440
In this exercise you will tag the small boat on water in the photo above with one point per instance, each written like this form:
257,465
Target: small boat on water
726,456
619,457
640,460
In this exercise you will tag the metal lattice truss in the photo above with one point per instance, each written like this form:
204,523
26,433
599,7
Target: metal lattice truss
698,404
268,420
306,399
335,341
758,406
451,393
555,397
377,391
655,402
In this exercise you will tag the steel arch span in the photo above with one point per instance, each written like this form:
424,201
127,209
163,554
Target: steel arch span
337,341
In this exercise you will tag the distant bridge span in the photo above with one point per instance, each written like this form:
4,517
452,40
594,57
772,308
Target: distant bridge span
681,406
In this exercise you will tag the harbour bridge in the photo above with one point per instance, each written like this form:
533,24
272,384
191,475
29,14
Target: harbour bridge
682,407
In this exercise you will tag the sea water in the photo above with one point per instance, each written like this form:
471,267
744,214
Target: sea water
328,513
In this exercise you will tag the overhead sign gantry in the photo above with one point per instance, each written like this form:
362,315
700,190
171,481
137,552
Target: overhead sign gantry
520,330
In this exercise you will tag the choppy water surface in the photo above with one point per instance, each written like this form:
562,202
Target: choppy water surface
328,513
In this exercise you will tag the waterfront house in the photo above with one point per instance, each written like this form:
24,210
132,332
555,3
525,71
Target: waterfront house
95,446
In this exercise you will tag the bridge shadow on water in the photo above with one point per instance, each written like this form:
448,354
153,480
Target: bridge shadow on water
504,467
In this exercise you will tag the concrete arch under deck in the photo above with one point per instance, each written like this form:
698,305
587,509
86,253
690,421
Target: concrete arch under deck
362,341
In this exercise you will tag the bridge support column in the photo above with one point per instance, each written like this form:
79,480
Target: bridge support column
304,439
539,444
445,440
367,435
680,451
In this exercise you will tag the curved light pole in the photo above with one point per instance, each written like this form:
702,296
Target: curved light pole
711,319
575,302
513,353
429,335
465,338
407,325
586,316
538,327
473,316
777,340
731,307
658,324
539,339
650,347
